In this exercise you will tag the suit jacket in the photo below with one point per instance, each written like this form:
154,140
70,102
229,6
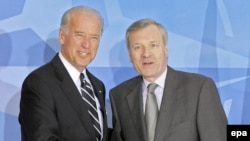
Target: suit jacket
51,108
190,110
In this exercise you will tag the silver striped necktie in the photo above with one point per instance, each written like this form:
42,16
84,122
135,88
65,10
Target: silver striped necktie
89,98
151,112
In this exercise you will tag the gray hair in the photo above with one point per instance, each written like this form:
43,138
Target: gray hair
82,9
140,24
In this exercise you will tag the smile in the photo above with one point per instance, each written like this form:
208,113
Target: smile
82,53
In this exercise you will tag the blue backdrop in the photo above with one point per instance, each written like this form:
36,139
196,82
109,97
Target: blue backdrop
210,37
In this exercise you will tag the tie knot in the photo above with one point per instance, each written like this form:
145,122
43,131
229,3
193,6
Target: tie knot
82,77
152,87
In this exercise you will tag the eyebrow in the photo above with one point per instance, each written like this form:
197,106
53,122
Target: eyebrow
78,32
154,42
81,32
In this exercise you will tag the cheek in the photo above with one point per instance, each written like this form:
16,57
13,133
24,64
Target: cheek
133,58
76,42
130,56
135,55
93,53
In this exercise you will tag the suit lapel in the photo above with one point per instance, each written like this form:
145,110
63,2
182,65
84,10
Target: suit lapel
98,90
169,101
73,95
136,109
100,94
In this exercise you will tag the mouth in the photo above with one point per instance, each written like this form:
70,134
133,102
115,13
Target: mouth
82,53
147,63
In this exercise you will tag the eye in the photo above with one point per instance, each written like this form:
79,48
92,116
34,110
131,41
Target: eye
79,34
154,45
95,37
137,47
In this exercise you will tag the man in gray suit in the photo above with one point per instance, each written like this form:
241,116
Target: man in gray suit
183,106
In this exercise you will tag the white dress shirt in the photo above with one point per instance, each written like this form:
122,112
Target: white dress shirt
158,91
75,75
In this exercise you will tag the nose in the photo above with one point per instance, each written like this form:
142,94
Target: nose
146,52
86,42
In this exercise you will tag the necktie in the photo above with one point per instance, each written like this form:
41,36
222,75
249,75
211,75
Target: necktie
89,98
151,112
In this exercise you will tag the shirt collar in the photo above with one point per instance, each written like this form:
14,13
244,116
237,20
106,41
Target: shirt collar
73,72
160,81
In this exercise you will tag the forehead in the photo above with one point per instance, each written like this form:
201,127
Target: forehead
87,20
149,33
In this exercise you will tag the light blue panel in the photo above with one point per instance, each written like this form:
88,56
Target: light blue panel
10,129
210,37
24,48
11,8
2,128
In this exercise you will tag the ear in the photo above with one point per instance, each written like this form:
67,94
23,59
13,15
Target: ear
166,51
61,36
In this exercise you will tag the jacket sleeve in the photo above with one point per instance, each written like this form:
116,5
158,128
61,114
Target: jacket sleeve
37,116
116,133
211,118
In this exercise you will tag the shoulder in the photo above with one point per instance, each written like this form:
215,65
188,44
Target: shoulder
38,76
43,74
188,79
128,84
188,76
125,88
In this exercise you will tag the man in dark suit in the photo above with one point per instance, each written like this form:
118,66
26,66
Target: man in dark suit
53,103
178,106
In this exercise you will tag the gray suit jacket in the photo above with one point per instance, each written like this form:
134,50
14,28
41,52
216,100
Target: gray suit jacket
191,110
51,108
